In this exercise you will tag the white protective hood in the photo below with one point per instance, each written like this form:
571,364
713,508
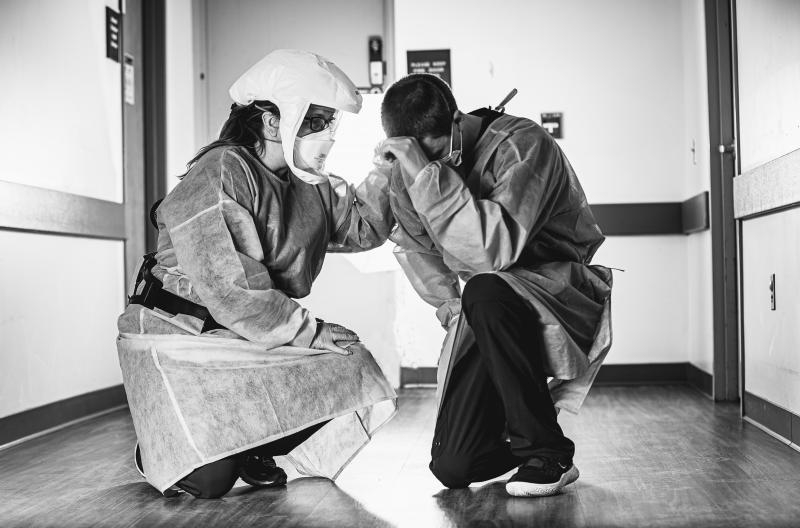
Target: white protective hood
293,80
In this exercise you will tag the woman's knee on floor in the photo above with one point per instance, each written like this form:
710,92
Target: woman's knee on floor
451,470
211,481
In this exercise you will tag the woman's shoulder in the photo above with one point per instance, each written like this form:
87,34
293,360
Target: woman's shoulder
225,156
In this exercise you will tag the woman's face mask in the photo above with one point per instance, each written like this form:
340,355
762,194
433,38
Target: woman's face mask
311,151
315,138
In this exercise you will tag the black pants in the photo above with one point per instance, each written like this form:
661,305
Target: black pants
216,479
497,388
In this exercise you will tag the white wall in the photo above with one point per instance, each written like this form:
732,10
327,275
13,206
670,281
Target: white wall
696,167
181,104
649,300
629,77
614,68
768,33
60,129
60,98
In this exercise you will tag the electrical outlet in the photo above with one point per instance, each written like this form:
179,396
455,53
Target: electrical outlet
772,292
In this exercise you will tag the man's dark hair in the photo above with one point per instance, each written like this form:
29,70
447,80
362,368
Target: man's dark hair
418,105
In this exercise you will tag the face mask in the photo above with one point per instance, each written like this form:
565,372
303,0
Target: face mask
454,157
311,151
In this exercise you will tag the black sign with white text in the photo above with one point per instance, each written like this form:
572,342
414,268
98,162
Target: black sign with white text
435,62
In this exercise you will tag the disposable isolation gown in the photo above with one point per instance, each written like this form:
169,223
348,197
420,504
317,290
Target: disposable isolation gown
522,214
242,242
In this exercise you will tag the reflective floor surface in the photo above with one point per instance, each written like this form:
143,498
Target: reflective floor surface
648,456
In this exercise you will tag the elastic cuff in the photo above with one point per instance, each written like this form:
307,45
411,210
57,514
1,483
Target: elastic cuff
447,311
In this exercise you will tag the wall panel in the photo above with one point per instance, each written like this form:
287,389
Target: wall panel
59,300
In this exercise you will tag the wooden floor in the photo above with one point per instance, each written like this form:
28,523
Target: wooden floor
648,456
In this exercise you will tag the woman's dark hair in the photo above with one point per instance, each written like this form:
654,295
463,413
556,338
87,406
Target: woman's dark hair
418,105
243,128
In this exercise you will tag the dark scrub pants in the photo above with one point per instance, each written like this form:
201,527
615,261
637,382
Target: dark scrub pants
216,479
498,389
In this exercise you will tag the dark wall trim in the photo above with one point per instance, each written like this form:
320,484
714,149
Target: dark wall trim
639,218
33,209
700,380
52,415
694,214
417,376
620,374
658,218
642,374
777,419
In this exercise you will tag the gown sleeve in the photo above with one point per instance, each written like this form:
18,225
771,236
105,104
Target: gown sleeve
361,216
218,248
420,259
489,234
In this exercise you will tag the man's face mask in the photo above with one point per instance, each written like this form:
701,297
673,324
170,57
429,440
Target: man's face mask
454,156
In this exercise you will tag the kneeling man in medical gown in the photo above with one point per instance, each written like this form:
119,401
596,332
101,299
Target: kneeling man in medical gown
491,199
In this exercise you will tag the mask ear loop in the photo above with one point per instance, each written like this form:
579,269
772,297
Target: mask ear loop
455,154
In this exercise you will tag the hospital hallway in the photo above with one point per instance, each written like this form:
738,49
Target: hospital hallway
234,228
657,455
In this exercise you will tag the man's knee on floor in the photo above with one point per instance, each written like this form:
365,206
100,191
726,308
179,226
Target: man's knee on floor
451,470
483,288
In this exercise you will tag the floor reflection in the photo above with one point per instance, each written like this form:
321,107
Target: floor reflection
490,505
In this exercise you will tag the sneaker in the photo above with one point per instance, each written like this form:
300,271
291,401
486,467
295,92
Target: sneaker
540,477
261,471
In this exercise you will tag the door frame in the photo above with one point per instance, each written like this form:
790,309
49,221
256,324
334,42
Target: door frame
723,135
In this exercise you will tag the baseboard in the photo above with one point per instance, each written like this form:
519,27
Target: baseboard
700,380
642,374
53,415
783,423
613,374
417,376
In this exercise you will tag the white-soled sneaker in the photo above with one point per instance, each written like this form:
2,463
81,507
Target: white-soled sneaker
541,477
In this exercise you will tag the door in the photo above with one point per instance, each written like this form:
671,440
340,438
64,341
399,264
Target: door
70,204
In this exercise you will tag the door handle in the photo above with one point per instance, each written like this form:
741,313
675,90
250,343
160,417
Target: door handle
728,149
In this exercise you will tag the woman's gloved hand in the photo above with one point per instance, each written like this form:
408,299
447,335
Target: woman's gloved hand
333,338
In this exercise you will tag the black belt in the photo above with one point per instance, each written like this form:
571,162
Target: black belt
153,295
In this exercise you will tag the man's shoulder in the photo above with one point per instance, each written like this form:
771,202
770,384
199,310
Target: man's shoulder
511,124
522,135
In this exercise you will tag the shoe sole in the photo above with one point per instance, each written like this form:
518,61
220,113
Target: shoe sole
280,481
532,489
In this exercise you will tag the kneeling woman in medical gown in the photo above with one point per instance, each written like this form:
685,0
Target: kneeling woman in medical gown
222,368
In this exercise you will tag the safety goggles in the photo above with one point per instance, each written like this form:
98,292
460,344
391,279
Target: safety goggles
317,123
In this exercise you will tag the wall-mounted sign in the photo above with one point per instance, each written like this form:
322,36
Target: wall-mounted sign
113,29
553,122
436,62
